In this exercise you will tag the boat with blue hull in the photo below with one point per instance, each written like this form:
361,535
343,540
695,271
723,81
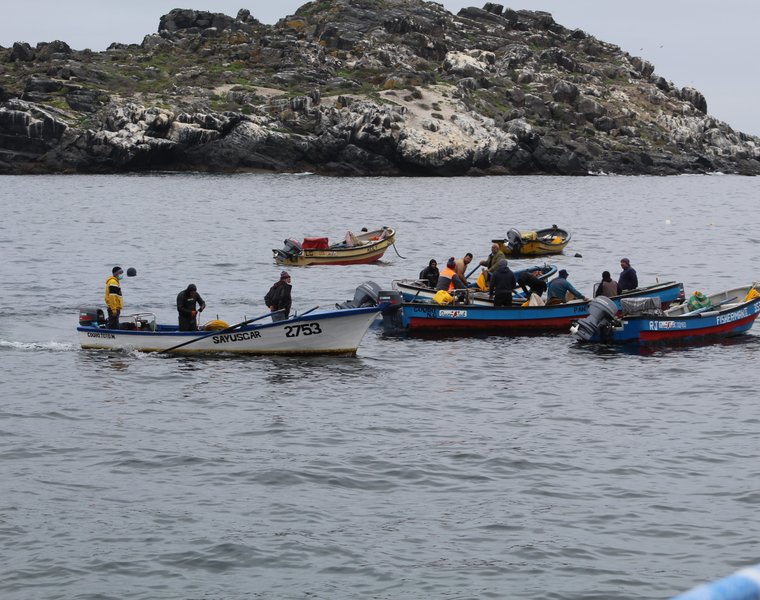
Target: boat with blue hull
728,313
430,318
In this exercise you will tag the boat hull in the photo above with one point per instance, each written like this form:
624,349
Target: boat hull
332,332
368,251
729,317
428,317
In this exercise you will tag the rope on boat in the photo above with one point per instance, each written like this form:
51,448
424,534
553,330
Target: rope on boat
394,247
742,585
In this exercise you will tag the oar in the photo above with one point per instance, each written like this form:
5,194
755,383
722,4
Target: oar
227,330
304,313
705,309
471,272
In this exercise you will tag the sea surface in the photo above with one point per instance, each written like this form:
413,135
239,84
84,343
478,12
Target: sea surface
487,467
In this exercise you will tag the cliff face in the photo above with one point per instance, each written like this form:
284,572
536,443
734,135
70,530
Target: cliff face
358,87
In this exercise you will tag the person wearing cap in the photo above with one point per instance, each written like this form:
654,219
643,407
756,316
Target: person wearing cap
502,284
607,287
557,292
628,279
189,304
114,299
278,298
448,279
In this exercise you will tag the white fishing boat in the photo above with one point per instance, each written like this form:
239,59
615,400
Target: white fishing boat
323,332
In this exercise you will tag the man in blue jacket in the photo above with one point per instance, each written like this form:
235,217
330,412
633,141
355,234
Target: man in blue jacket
628,279
558,289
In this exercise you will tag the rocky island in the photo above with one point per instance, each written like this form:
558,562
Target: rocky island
358,87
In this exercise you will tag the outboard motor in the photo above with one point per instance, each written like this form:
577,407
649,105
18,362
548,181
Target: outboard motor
91,317
598,324
291,249
392,313
366,294
515,240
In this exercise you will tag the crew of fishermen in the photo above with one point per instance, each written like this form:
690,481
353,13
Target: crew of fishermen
558,290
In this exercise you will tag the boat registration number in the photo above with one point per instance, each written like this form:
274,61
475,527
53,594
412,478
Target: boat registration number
302,329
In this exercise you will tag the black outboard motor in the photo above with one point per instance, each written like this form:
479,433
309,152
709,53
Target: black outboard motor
514,240
366,294
91,317
598,324
292,249
392,313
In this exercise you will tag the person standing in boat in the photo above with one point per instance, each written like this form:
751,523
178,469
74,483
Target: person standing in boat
493,260
430,273
114,299
189,304
502,284
607,287
448,279
278,298
557,292
531,283
628,279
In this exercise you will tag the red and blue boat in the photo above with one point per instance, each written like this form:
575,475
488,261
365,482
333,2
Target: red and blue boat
727,314
426,317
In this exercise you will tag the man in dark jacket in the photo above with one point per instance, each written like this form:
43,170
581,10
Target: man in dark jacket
502,284
430,273
189,304
628,279
278,298
531,283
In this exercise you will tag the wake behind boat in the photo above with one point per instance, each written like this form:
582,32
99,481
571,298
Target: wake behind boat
324,332
367,247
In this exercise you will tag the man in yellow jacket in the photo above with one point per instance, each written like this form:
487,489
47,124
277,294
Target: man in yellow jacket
114,299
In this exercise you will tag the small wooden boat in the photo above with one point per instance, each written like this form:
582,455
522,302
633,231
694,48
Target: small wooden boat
367,247
541,242
324,332
415,289
728,313
426,317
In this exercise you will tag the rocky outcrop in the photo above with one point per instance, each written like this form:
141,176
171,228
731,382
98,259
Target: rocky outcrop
357,87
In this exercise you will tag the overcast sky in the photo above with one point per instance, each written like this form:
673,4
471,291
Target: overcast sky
704,44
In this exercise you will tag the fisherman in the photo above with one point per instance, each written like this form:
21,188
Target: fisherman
503,283
114,299
493,259
448,279
278,298
607,287
531,283
557,292
461,266
189,304
628,279
430,273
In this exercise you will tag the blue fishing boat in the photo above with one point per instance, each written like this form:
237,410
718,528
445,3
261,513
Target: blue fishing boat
427,317
726,314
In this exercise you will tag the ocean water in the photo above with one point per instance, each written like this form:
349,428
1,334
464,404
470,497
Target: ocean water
488,467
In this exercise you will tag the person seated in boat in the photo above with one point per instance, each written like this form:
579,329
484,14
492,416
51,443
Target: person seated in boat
502,284
698,300
430,273
278,298
560,290
189,304
493,259
531,283
113,297
461,266
448,279
628,279
607,287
